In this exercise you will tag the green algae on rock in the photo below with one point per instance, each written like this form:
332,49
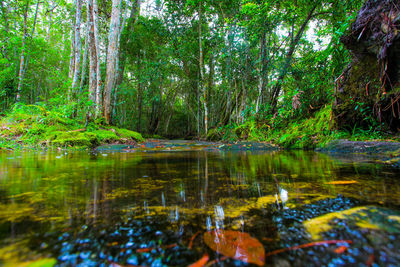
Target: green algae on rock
364,217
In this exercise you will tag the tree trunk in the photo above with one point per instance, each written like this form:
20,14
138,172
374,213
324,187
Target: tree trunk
277,88
114,94
27,57
211,83
5,12
77,45
140,106
92,55
85,56
44,57
71,55
201,66
135,11
112,55
99,98
22,58
261,72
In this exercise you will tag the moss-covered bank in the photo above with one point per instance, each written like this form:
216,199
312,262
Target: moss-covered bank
316,131
35,127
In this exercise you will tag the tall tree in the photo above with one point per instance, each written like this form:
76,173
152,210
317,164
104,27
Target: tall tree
22,57
201,67
112,57
77,46
92,55
99,98
289,56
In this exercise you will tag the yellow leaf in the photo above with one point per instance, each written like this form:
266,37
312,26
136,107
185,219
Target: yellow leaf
342,182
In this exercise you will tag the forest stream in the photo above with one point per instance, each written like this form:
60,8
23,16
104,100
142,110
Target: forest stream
181,203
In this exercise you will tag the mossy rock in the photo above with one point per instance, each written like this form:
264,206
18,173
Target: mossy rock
128,134
82,139
106,136
364,217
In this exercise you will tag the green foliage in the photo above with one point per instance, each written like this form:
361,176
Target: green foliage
252,131
303,133
214,135
306,133
244,45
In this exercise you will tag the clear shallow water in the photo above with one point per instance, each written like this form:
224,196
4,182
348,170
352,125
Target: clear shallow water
53,200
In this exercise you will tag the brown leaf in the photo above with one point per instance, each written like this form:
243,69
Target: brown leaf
341,249
237,245
201,262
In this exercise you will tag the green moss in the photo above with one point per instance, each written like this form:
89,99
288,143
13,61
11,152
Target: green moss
35,126
307,133
106,136
82,139
43,263
128,134
364,217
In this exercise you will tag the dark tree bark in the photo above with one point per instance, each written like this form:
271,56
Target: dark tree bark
112,56
372,79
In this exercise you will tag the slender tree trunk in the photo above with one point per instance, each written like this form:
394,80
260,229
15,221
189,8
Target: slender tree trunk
99,95
139,93
44,57
114,93
22,58
72,55
85,56
5,12
211,83
261,75
27,57
135,11
289,56
140,106
35,19
92,55
170,111
77,45
112,55
201,66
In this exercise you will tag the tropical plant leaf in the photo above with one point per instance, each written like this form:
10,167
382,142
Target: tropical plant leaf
237,245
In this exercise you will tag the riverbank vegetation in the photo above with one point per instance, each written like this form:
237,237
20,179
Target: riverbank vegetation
75,73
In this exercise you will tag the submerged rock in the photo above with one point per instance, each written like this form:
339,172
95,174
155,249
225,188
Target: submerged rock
379,152
368,147
364,217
